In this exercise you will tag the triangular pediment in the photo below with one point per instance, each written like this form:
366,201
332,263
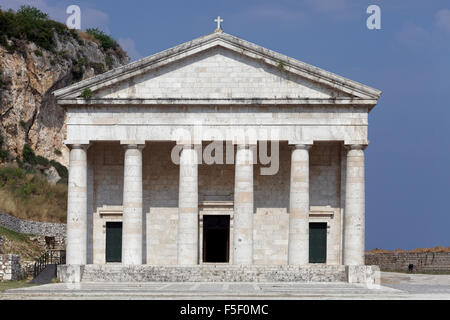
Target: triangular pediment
218,68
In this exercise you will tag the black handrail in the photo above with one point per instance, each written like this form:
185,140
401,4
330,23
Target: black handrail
49,257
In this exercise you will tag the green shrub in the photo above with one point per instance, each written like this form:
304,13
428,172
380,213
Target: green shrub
62,170
4,155
31,24
57,152
87,94
4,41
99,67
24,125
32,13
38,53
42,161
28,155
78,67
105,41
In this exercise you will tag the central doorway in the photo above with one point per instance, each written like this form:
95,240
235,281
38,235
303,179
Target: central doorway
113,241
317,242
216,238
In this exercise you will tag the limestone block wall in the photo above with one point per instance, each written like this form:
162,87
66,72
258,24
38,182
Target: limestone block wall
10,268
216,183
105,193
326,194
160,196
271,219
217,73
422,261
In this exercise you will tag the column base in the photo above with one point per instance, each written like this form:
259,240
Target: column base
72,273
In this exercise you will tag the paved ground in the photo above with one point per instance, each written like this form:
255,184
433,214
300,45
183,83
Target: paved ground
394,286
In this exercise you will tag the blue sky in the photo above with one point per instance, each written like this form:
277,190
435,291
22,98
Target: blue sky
408,160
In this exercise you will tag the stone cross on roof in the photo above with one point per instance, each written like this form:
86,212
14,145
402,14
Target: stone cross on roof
218,20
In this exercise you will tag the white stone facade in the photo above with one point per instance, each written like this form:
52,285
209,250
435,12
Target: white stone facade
224,89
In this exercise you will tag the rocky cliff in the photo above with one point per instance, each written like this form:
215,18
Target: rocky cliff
29,73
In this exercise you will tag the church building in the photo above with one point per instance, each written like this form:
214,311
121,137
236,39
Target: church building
217,154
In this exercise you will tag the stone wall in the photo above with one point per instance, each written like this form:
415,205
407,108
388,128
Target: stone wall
422,261
10,268
32,227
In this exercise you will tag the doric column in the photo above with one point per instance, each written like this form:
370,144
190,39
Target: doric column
132,206
77,206
243,207
188,207
354,207
299,206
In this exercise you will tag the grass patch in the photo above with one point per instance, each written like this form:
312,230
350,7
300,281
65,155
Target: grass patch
6,285
13,236
20,244
28,195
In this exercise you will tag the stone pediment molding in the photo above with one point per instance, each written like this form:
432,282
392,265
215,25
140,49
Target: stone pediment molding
349,91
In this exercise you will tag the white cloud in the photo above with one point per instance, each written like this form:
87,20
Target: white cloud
442,19
129,46
413,35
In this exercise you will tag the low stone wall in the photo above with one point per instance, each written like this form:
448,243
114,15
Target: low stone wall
32,227
10,268
217,273
399,261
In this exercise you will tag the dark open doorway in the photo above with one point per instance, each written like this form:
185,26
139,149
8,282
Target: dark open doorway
317,242
216,238
114,242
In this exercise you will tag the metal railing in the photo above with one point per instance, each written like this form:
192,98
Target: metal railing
49,257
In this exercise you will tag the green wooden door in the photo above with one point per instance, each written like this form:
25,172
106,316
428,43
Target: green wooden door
114,242
317,243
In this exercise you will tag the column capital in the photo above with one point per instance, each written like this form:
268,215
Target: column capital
135,143
133,146
355,146
78,144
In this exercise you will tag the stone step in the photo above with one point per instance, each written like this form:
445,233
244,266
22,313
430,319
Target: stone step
114,273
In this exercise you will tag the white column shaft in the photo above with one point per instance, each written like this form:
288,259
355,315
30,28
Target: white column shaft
188,207
243,207
354,207
77,207
298,248
132,206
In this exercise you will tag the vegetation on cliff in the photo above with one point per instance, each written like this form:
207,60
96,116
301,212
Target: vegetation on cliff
31,24
37,56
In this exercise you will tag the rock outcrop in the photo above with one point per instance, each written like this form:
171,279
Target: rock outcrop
28,76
